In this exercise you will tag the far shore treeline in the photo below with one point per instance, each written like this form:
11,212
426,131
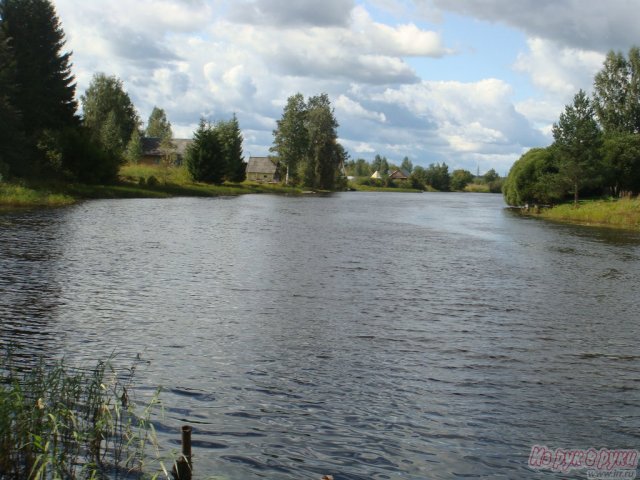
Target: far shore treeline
596,147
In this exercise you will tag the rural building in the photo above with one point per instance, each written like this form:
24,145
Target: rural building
262,169
152,154
399,175
376,175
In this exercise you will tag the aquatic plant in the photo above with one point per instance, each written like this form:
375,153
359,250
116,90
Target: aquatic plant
60,422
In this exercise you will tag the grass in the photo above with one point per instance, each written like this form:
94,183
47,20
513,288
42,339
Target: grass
14,195
135,181
477,188
58,422
619,213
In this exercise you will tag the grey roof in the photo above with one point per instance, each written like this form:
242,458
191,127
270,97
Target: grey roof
261,165
151,146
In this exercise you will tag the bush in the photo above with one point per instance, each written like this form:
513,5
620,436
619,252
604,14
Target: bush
152,181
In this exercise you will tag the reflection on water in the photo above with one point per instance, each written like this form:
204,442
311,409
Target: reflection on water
363,335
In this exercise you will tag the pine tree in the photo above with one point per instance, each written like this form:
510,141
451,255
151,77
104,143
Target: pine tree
46,87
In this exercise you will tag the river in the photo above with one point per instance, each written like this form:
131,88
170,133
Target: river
363,335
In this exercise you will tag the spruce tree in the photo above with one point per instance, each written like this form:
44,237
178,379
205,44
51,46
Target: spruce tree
204,156
230,138
12,138
46,87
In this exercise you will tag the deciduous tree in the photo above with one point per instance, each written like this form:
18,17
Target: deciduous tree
158,125
577,140
291,138
106,105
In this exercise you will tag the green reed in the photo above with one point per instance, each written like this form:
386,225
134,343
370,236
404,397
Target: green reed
58,422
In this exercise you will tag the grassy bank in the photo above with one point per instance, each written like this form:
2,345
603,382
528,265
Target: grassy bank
135,181
12,195
618,213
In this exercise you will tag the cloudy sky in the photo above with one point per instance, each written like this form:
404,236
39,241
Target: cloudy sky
474,83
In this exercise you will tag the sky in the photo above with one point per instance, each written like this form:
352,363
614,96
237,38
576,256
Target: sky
473,83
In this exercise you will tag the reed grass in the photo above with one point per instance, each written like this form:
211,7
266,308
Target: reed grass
619,213
58,422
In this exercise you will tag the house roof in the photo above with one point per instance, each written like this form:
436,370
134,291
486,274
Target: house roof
399,173
151,146
261,165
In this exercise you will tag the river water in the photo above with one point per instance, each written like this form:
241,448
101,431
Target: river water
363,335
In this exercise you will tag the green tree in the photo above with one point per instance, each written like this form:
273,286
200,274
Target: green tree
490,176
460,178
535,178
577,140
380,164
406,165
204,157
158,126
291,137
359,168
621,157
418,177
133,152
230,139
45,93
617,93
325,155
12,139
109,113
437,175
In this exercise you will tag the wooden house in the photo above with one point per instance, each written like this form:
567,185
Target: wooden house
262,169
399,175
152,153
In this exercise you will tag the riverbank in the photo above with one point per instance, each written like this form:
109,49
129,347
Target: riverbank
134,182
616,213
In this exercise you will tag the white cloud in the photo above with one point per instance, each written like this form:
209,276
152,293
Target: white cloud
559,70
352,108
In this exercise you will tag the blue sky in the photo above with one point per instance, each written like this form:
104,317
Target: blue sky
473,83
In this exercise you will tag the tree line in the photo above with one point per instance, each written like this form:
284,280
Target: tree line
43,136
436,175
596,147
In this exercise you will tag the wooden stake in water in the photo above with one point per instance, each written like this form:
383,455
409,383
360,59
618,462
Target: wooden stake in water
183,468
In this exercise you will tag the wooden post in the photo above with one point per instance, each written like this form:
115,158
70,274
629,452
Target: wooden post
182,470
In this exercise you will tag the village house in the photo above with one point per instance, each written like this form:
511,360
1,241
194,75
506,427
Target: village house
262,169
399,175
152,154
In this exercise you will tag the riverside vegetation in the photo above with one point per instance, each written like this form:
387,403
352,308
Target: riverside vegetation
62,422
595,154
